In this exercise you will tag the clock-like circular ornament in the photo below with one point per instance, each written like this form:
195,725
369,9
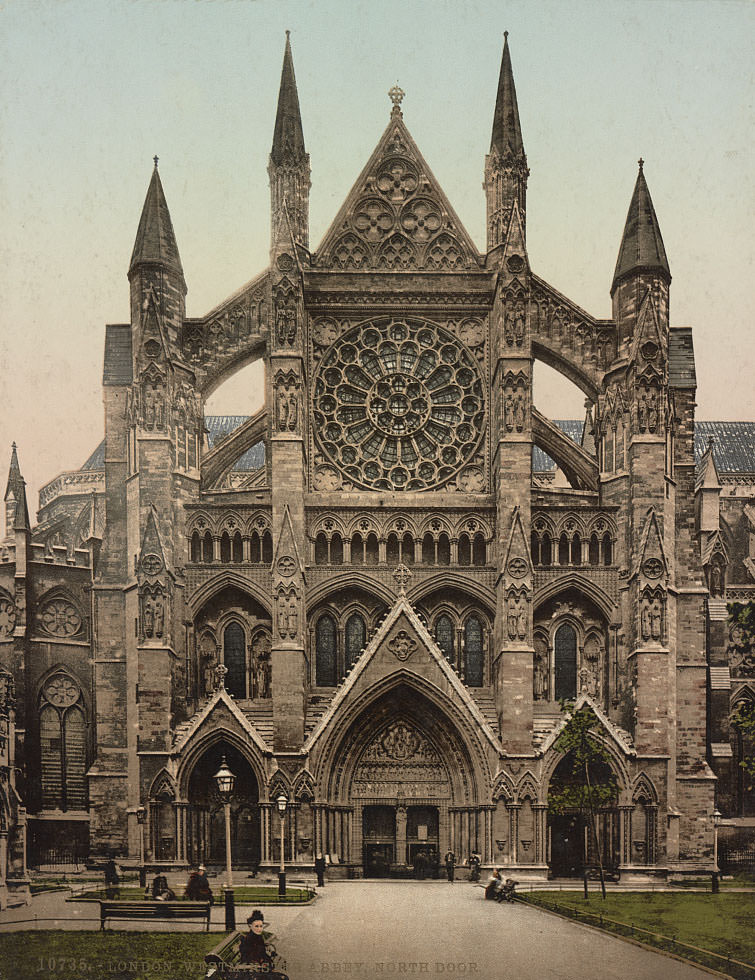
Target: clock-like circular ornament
60,618
398,404
61,691
152,564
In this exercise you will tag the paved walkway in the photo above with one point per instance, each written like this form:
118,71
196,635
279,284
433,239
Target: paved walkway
377,929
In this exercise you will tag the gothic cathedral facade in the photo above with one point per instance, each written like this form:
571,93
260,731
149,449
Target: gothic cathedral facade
367,597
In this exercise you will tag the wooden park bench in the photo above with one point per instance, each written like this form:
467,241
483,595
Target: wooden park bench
223,961
154,910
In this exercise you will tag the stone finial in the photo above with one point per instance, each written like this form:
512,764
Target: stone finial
155,158
220,671
640,164
396,94
402,576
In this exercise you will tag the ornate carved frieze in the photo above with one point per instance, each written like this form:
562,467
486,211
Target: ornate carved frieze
243,320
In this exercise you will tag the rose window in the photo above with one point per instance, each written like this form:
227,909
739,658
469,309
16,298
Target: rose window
398,404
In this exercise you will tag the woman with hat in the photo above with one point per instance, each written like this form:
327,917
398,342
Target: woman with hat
255,952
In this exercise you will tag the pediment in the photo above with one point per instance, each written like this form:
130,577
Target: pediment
396,217
402,649
220,713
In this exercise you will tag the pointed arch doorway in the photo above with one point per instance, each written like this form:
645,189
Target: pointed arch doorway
206,819
403,783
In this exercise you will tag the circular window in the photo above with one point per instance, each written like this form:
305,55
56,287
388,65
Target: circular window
398,404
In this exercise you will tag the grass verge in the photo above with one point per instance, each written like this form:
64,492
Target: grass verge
717,924
97,955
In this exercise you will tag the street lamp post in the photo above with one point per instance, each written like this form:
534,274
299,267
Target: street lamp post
282,803
141,816
225,780
714,883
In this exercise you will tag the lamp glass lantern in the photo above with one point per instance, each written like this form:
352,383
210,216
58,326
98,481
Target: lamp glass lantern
225,780
282,803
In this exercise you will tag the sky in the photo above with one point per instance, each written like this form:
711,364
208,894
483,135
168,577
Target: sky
91,91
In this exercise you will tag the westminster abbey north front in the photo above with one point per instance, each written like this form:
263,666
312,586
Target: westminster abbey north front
372,594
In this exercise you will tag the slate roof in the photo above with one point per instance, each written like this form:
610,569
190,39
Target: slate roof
118,366
155,238
681,358
734,445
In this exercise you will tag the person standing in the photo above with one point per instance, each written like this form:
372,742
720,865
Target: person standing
450,864
112,881
320,870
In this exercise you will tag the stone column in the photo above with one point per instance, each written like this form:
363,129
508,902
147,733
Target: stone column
625,826
401,835
513,809
541,816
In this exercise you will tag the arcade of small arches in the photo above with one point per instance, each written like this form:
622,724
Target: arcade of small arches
433,548
571,543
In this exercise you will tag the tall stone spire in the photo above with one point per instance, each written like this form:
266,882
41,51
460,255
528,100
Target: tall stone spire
16,509
507,133
288,138
289,164
506,165
155,239
641,247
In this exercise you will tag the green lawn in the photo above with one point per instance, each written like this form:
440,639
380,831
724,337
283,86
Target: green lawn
720,923
96,955
244,895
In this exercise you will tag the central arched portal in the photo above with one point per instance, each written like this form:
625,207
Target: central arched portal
206,817
410,783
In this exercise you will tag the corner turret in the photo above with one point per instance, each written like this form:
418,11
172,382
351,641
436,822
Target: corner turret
642,265
155,267
506,170
289,168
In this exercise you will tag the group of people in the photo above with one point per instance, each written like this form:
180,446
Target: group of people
500,889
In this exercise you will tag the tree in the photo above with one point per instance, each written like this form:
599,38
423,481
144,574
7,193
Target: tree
590,784
742,653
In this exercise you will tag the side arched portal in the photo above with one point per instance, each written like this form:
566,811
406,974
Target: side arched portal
205,823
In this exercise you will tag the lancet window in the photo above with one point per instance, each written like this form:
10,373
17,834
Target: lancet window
62,737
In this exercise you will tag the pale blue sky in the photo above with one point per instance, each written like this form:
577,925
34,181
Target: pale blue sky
91,90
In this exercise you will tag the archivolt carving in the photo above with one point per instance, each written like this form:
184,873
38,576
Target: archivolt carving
399,404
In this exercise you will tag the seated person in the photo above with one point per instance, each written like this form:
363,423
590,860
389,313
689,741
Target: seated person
255,952
494,885
198,887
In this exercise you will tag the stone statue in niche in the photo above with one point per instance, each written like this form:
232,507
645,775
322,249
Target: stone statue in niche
645,619
208,672
642,412
716,581
587,682
148,616
288,407
159,616
652,403
509,331
516,617
287,617
519,323
656,619
540,671
285,323
508,411
519,410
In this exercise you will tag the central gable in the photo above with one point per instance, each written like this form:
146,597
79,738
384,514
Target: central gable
396,217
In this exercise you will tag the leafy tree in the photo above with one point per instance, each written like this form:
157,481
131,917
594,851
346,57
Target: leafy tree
590,785
742,646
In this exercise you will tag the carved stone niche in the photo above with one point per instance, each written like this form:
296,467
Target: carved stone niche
514,401
653,615
287,408
517,613
514,318
648,408
284,303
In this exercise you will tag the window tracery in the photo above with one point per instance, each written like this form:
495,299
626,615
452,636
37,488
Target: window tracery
399,404
62,736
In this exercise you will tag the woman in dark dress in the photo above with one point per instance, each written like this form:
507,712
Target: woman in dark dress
255,953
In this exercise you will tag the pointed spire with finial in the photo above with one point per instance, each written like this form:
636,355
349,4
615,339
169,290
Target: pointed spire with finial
16,509
506,164
641,248
288,138
506,137
155,239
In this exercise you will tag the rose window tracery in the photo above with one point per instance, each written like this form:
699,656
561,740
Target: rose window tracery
398,404
60,618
